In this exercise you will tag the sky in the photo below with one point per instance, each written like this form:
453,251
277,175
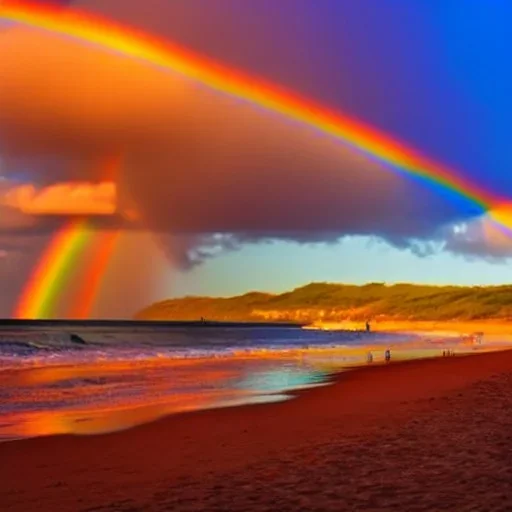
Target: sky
229,197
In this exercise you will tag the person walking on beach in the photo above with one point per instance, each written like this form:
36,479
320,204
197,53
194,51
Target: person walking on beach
387,355
369,357
368,326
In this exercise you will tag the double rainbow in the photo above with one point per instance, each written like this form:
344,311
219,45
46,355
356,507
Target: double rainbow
168,56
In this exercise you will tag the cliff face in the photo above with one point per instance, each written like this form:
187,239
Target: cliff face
328,302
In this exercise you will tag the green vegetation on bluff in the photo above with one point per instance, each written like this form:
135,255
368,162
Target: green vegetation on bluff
337,302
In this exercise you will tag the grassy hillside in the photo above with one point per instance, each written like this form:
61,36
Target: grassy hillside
338,302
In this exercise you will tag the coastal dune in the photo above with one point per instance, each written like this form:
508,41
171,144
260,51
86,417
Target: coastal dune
415,435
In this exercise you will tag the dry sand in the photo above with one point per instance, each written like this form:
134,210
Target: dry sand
421,435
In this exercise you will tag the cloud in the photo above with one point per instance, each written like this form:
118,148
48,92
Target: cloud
196,162
13,220
62,199
484,237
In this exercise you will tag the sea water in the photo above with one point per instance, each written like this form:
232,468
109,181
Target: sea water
120,377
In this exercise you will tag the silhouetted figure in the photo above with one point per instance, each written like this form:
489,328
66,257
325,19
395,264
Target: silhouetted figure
444,353
369,357
368,326
387,355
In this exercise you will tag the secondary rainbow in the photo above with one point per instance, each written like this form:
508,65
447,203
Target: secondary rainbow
166,55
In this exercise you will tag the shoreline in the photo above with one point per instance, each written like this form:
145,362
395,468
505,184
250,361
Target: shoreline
100,417
69,472
455,327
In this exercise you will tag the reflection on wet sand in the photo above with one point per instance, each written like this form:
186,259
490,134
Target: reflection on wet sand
104,397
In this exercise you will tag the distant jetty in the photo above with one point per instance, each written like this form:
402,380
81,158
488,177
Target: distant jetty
9,323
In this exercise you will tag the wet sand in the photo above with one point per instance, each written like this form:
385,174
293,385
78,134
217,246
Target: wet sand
417,435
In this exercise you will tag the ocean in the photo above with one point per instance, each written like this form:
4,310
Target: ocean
113,378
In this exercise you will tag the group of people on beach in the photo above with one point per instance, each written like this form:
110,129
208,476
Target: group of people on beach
387,356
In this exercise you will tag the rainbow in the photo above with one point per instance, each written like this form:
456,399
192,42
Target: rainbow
49,277
168,56
43,289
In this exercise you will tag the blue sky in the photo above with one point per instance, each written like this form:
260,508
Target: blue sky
279,267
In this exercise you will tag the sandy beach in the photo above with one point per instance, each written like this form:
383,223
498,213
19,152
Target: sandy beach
417,435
